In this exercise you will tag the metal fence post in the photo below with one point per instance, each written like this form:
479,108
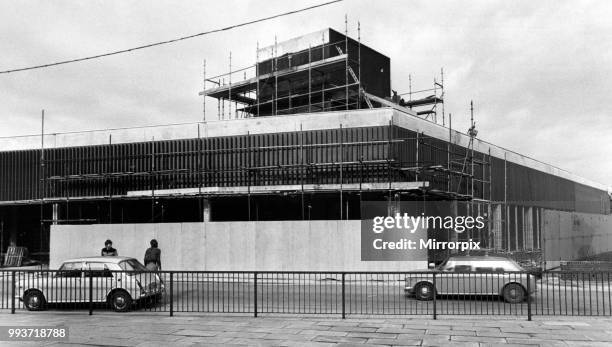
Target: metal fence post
255,293
13,292
435,313
528,297
171,294
343,298
90,292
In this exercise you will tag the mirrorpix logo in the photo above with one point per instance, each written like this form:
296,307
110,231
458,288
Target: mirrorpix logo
405,236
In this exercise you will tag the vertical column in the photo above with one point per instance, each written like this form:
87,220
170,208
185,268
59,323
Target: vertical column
206,210
507,227
538,229
528,221
497,225
516,231
55,217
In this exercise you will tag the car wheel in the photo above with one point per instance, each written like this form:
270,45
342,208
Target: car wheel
121,301
513,293
424,291
34,300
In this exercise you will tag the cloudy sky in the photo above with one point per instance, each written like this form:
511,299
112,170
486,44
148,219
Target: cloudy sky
539,72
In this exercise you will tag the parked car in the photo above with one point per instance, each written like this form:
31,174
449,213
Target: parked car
118,281
473,275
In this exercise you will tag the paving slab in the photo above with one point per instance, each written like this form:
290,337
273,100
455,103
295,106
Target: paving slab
154,330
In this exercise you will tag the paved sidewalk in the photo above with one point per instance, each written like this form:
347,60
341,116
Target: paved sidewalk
182,330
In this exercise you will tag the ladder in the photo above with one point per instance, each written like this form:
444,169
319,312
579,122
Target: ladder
354,76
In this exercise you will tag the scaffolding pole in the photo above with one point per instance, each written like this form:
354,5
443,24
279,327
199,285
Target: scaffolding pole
200,183
443,95
302,166
152,179
275,77
359,62
257,75
309,79
204,91
346,65
341,159
249,154
229,96
42,174
110,181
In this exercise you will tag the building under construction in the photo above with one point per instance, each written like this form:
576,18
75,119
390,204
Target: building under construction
307,133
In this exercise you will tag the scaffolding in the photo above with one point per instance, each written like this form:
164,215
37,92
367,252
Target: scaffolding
344,165
321,78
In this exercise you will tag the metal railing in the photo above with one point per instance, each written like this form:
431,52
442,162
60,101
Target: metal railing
558,293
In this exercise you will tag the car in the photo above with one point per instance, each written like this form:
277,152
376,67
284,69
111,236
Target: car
118,281
473,275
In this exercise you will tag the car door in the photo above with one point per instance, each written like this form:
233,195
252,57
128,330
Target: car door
101,279
485,279
453,279
67,284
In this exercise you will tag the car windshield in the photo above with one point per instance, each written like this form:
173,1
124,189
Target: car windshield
132,265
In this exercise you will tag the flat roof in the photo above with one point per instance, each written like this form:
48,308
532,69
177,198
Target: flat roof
286,123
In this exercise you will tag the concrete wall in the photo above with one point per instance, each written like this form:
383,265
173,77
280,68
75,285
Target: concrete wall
275,245
570,235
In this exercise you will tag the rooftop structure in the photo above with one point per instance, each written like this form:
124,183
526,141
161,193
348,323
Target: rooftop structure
318,72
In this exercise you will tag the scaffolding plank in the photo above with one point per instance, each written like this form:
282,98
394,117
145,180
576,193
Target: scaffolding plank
399,186
251,83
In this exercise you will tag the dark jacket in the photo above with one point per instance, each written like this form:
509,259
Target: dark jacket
107,252
153,255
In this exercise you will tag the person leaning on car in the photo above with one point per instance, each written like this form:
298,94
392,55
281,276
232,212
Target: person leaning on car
108,249
152,258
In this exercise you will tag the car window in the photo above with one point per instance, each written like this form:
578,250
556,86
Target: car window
483,269
98,270
462,268
479,265
504,265
72,269
132,266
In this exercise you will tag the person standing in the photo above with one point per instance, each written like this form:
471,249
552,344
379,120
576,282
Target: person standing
108,249
152,258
